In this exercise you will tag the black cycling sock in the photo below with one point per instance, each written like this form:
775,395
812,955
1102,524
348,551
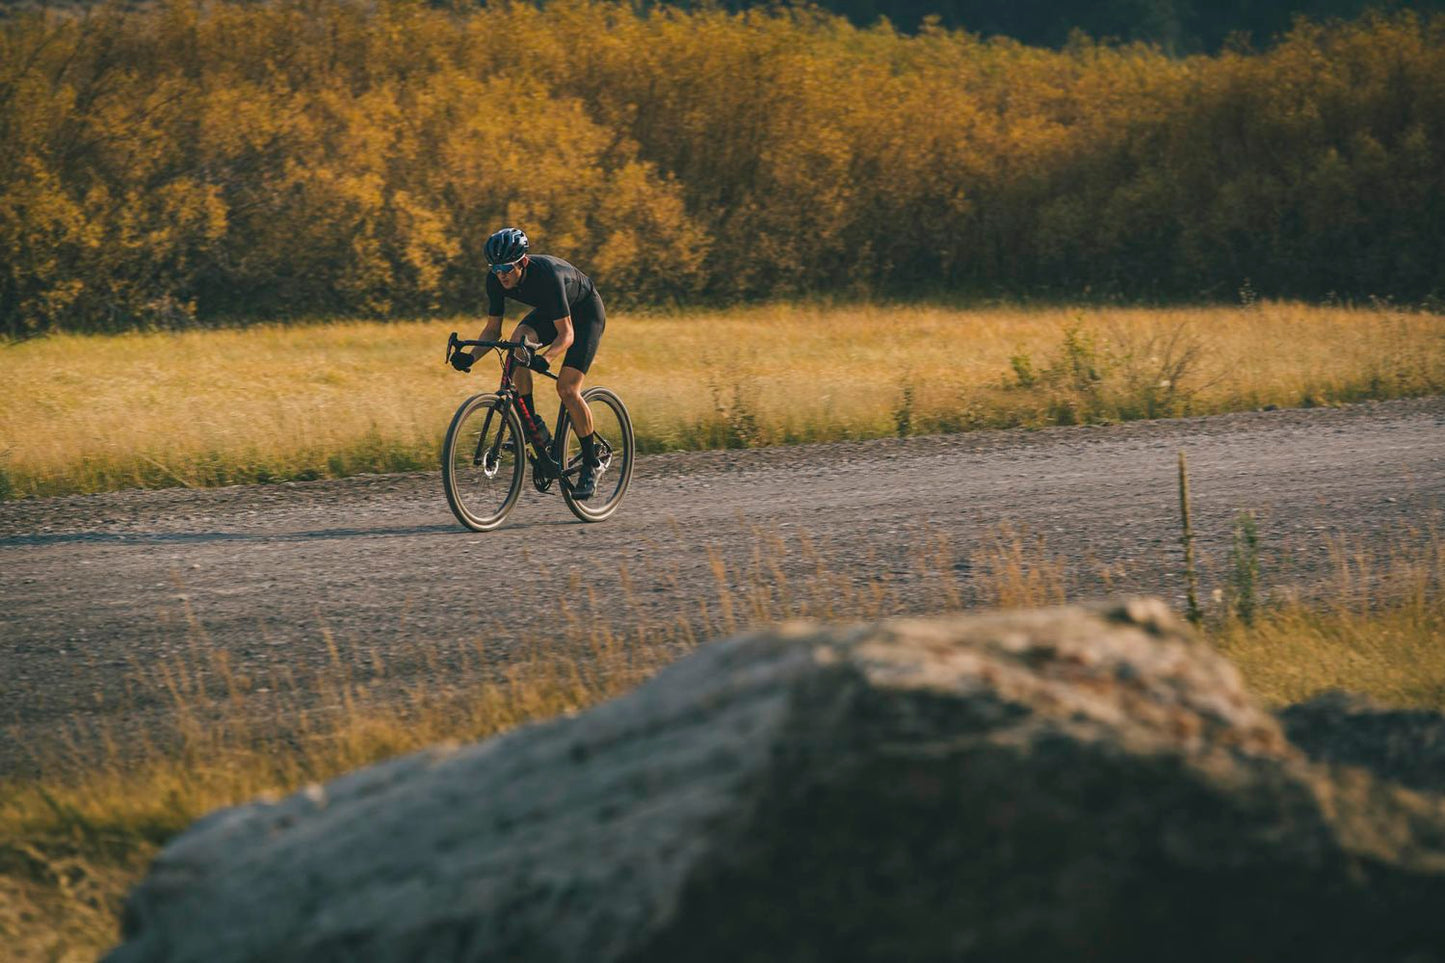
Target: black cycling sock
589,449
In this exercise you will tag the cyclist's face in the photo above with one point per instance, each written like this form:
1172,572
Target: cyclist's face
512,278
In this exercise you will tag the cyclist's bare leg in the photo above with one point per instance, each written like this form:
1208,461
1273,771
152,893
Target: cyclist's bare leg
569,389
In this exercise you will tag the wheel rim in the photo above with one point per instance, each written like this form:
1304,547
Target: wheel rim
483,473
613,431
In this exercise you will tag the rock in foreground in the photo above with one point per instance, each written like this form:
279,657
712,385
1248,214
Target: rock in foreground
1058,784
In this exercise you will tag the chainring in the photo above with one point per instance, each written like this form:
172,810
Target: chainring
542,473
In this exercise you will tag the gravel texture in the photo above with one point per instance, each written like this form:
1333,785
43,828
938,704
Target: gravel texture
93,587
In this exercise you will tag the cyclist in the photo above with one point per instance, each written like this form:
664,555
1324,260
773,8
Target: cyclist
567,317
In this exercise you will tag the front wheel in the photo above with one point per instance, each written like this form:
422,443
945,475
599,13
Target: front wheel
612,432
482,462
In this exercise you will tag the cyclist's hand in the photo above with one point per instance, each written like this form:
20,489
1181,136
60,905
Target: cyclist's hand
463,361
538,363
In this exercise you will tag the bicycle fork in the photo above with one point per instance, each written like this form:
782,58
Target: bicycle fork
489,457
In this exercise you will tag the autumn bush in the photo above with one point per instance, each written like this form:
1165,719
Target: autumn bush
196,163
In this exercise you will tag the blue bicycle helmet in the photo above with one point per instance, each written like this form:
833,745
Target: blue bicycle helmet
507,245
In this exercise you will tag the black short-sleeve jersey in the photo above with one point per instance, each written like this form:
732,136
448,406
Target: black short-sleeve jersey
549,284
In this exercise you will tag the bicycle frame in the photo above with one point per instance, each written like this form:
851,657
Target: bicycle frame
549,461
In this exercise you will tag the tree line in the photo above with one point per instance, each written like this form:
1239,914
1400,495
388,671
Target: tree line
205,163
1177,26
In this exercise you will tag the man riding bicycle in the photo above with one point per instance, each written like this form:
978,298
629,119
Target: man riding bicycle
566,316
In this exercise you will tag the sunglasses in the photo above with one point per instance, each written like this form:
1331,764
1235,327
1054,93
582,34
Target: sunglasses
506,268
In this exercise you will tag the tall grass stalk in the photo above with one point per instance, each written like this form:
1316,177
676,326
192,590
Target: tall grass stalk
1243,592
203,408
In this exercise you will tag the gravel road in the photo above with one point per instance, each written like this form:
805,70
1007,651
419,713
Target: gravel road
92,587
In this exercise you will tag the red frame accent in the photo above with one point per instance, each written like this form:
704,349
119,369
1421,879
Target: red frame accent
528,418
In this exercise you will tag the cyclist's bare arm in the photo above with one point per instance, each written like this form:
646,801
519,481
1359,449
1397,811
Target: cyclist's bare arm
563,340
492,330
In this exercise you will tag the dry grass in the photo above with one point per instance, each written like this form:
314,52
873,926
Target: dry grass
74,841
93,413
1381,632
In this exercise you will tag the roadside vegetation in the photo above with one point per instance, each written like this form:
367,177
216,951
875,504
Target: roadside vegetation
1346,637
89,413
73,840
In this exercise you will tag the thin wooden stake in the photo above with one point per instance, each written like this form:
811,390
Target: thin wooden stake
1191,580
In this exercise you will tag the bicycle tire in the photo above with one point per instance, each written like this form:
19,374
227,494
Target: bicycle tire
481,496
615,478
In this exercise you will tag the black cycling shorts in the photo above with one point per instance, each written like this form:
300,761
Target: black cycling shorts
588,320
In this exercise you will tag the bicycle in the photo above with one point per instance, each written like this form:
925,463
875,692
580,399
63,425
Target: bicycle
486,449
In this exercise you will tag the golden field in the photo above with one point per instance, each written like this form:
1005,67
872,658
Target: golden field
88,413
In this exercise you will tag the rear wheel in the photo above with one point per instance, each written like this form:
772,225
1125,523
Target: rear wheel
483,462
612,429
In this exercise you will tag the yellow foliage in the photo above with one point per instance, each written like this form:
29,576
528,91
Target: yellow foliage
298,158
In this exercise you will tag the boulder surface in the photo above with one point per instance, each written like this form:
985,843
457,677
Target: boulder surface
1403,745
1072,783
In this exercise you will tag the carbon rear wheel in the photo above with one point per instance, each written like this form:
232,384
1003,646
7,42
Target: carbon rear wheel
612,430
483,462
